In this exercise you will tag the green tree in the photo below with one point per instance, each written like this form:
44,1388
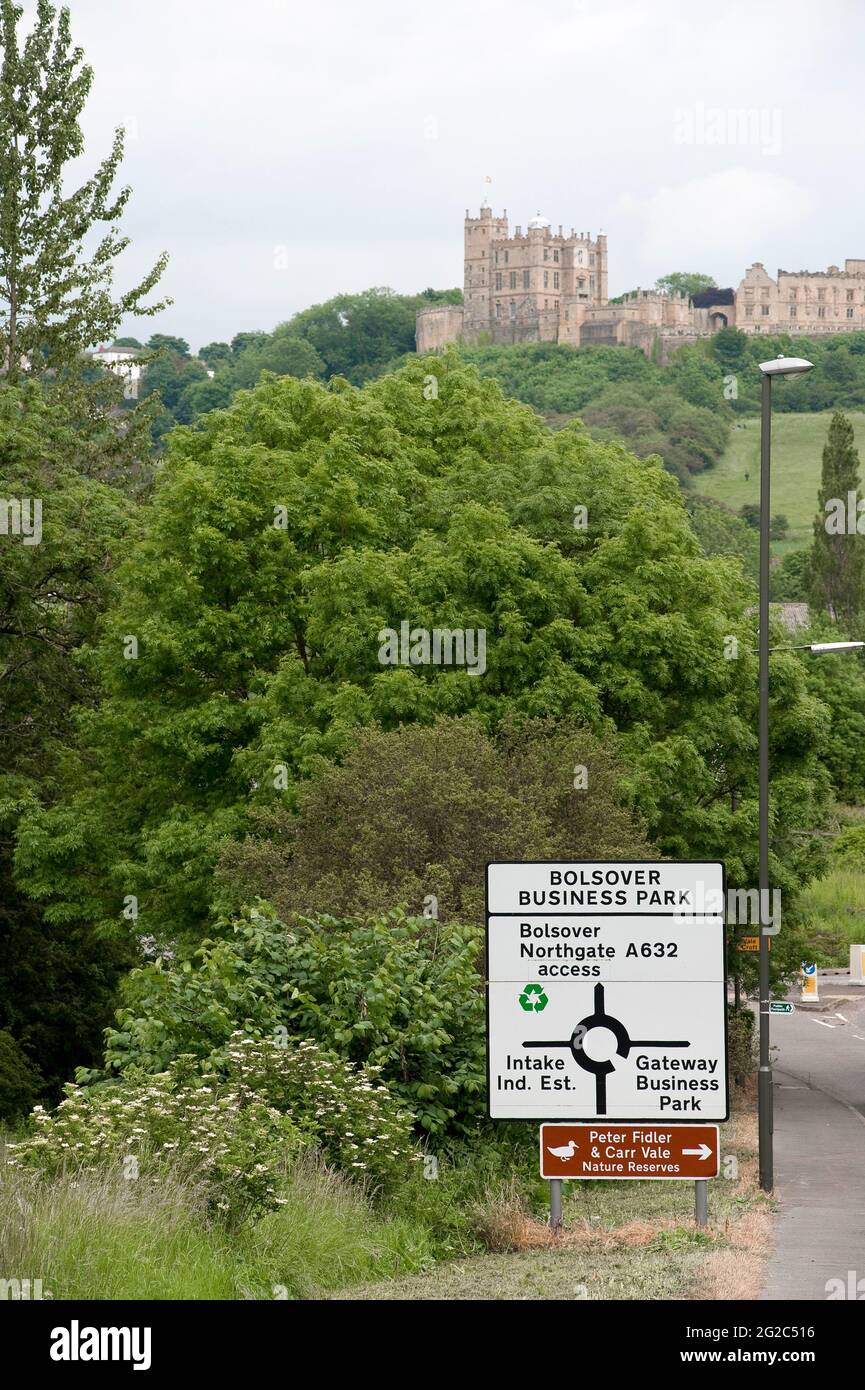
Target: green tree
684,282
55,287
289,531
166,342
56,979
838,557
419,811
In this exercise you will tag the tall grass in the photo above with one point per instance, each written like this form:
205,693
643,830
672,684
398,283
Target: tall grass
835,913
99,1236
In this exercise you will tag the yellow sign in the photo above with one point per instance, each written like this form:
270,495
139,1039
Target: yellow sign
750,943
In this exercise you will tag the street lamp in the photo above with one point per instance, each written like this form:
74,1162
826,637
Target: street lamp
778,366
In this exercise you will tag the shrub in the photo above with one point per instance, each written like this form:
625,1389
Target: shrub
741,1042
20,1082
228,1137
402,994
356,1122
848,850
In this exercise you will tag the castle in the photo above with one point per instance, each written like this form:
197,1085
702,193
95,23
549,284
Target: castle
541,286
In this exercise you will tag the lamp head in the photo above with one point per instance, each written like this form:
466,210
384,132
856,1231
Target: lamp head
785,366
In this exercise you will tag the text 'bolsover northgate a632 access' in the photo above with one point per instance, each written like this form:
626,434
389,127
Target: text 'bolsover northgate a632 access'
606,993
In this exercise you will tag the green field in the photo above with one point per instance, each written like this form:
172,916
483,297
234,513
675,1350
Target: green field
797,448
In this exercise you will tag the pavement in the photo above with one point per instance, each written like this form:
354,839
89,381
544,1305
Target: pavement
819,1074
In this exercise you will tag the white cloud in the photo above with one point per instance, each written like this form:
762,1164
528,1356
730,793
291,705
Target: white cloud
723,221
259,123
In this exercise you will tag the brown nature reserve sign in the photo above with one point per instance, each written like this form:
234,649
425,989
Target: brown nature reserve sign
629,1151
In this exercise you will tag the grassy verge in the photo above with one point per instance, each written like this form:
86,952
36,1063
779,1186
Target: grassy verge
620,1241
477,1231
99,1236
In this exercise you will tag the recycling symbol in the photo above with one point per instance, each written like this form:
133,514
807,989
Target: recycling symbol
533,999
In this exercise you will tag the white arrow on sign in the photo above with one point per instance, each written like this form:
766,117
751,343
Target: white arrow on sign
703,1152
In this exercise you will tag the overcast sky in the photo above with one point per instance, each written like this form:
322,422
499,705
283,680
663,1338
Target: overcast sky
284,152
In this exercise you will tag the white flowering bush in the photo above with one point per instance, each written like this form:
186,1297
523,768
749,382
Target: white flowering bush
359,1125
232,1140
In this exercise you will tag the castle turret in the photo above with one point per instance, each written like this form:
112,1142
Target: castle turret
480,232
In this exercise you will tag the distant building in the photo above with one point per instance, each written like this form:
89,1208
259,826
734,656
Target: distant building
121,360
802,301
539,286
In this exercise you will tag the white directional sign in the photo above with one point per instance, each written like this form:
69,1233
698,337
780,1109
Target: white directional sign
606,992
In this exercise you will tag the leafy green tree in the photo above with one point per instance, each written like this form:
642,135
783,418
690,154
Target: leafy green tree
837,557
241,341
283,353
357,334
166,342
721,532
55,286
418,811
790,582
684,282
215,354
56,980
288,532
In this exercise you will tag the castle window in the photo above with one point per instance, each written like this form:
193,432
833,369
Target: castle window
498,279
749,311
546,279
546,254
513,310
765,308
821,312
546,304
497,258
591,258
525,279
555,255
591,282
849,296
555,279
821,294
512,280
498,309
793,311
793,294
849,313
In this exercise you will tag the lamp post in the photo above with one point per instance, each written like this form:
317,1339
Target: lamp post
778,366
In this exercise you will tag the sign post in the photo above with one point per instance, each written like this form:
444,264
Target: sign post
606,997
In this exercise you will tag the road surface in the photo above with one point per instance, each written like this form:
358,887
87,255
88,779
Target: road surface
820,1148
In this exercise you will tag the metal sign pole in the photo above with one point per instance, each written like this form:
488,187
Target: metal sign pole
555,1204
701,1201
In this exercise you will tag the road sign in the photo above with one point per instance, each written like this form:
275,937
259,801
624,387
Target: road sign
635,1152
750,943
626,961
777,1006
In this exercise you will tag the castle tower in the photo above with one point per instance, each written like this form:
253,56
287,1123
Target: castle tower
601,281
480,232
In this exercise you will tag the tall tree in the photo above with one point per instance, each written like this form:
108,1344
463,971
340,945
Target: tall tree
56,290
838,552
